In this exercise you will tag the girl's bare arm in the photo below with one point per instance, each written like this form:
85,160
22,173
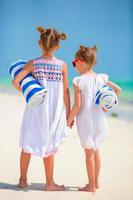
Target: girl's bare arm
76,106
66,90
26,70
115,87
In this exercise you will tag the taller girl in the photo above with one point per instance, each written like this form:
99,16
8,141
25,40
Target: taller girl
44,127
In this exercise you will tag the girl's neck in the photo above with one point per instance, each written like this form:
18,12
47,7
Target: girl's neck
48,55
89,72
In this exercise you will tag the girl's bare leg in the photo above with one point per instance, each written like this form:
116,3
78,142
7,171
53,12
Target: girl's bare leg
24,163
97,167
49,167
90,166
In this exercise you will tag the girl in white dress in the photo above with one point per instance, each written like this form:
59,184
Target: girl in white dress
44,127
91,122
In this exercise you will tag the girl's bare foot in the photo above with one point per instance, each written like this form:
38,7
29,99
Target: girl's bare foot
54,187
22,183
96,185
87,188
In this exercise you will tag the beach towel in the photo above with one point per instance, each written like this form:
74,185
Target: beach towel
106,98
33,92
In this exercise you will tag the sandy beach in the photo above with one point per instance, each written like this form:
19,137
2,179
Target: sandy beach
116,179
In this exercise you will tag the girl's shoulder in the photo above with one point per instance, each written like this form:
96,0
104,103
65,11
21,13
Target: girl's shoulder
78,81
59,61
103,76
29,65
54,61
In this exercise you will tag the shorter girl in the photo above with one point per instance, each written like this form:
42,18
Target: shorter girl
91,122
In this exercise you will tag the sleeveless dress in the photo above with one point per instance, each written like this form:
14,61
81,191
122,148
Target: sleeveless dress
91,120
44,127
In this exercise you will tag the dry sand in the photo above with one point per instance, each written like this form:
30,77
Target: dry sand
116,179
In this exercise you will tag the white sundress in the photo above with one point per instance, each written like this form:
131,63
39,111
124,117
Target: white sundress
91,120
44,127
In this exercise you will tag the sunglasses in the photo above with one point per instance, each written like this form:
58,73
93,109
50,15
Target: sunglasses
76,60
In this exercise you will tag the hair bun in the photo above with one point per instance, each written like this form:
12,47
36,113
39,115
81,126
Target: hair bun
41,29
82,48
62,36
94,48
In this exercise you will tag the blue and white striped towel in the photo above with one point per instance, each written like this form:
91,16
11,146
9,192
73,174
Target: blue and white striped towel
33,92
106,98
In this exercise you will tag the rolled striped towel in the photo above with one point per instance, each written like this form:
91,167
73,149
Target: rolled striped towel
106,98
33,92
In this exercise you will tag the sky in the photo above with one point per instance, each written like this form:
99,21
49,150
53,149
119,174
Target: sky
106,24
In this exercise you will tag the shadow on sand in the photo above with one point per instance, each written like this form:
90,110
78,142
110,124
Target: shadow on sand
31,186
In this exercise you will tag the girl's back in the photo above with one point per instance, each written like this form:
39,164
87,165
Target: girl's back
88,86
48,72
47,122
91,121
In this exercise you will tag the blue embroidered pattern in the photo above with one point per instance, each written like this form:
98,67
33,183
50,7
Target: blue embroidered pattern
50,72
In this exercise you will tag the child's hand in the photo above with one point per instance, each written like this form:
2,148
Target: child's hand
70,123
105,109
17,86
118,91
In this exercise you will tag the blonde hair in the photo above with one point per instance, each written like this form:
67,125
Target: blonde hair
87,54
50,37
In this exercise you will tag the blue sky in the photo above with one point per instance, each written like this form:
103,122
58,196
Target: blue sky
108,24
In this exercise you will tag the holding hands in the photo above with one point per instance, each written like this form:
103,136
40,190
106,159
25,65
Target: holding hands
70,123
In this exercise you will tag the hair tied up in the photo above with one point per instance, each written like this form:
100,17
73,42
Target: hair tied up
62,36
94,48
41,30
82,48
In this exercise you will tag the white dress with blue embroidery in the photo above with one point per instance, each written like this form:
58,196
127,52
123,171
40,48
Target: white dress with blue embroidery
91,120
44,127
